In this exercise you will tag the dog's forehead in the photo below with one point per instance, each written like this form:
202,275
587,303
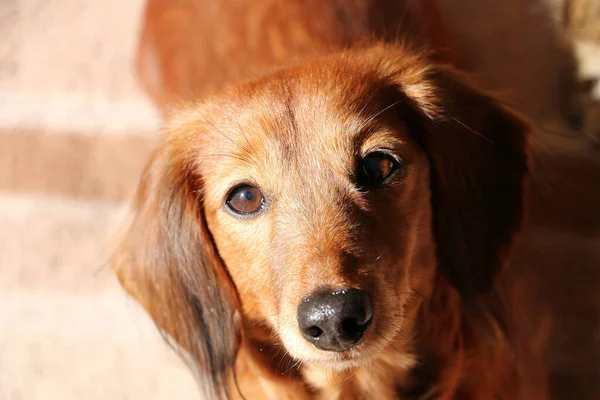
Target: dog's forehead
305,123
310,110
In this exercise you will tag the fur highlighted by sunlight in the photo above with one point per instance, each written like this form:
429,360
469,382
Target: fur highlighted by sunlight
332,206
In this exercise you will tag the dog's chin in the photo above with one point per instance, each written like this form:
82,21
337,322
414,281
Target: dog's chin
340,361
360,355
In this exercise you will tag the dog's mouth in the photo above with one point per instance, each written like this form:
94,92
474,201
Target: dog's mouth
352,358
356,349
381,337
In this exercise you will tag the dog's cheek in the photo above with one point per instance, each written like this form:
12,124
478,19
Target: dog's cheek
242,252
406,270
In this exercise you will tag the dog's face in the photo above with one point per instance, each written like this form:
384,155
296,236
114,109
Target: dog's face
313,186
322,201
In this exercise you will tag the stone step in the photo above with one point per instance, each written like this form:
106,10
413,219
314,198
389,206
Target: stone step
67,65
71,346
67,330
88,167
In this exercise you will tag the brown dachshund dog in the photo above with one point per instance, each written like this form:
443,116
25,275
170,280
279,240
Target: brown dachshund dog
333,210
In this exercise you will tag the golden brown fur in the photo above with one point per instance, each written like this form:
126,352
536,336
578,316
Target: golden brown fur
190,48
429,247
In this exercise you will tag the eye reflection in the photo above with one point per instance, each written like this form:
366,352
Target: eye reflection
375,168
245,199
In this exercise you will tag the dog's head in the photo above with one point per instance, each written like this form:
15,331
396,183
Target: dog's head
322,201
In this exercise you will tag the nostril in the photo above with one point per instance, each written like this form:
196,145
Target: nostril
350,325
314,331
352,329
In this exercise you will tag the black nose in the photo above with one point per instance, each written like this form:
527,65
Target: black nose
335,321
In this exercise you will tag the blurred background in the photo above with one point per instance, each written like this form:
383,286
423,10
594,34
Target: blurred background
74,134
75,131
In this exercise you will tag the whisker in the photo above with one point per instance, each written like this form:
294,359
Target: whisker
225,136
471,129
244,135
294,364
370,119
359,116
263,347
279,364
230,156
218,130
351,375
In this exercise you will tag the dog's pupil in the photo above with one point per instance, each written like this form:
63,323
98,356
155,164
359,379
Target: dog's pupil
377,167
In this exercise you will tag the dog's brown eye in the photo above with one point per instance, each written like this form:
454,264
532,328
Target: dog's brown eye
245,199
375,168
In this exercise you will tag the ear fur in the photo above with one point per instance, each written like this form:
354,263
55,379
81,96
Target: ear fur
479,165
168,262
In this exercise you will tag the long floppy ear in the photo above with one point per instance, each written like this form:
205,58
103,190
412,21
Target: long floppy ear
479,164
168,262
